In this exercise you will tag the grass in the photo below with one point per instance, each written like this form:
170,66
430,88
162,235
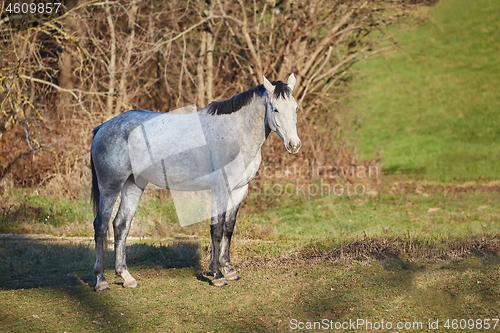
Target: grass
40,295
390,256
390,209
430,107
28,211
346,219
340,258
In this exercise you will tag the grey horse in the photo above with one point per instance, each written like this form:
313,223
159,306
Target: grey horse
217,148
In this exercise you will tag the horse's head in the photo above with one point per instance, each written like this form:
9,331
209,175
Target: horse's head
282,112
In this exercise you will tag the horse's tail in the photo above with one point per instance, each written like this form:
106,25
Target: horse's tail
94,195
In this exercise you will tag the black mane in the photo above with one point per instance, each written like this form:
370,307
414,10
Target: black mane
237,102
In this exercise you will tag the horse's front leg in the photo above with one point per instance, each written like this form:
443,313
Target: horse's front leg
216,232
235,200
220,199
224,257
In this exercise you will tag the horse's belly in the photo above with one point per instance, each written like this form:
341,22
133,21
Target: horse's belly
194,171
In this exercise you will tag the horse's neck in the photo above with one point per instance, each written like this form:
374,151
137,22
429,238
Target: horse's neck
245,127
253,121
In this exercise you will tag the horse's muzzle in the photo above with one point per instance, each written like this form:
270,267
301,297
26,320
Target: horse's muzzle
293,147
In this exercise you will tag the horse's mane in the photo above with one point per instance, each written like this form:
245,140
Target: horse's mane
235,103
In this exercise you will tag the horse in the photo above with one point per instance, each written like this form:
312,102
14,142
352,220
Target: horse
215,149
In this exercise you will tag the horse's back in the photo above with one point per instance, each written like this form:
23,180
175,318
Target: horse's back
110,144
177,151
125,123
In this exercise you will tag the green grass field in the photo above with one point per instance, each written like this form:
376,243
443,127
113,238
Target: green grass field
431,106
413,254
46,286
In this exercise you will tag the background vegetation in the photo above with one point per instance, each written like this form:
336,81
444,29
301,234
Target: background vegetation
62,75
430,107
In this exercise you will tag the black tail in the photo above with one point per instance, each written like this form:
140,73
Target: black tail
95,195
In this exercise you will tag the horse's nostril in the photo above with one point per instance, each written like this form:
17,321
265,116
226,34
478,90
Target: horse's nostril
294,147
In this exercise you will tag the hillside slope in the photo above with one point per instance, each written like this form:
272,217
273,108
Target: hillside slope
431,107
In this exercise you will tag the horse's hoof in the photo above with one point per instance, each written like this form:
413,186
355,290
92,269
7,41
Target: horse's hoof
232,276
219,282
102,286
130,284
128,280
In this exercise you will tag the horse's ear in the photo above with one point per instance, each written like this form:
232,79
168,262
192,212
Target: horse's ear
291,81
268,85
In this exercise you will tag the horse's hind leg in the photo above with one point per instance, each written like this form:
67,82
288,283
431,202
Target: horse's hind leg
131,195
224,257
101,220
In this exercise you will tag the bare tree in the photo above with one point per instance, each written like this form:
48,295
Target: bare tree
62,75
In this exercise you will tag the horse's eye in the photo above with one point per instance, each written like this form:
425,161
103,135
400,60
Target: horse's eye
275,110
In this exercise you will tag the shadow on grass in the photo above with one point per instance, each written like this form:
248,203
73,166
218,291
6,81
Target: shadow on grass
30,263
63,273
463,287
